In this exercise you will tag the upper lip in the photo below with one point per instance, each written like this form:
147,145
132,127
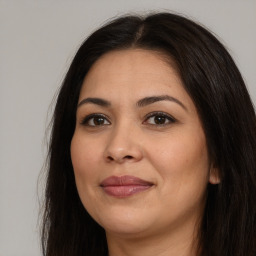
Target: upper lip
124,180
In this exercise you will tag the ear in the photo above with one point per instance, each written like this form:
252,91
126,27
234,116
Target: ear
214,176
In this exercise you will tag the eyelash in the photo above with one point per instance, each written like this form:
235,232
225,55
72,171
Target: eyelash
86,120
168,118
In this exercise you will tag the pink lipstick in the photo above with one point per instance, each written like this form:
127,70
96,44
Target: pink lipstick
124,186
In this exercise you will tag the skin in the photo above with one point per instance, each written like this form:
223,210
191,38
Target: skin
172,155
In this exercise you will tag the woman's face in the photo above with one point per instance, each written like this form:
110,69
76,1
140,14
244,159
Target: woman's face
139,151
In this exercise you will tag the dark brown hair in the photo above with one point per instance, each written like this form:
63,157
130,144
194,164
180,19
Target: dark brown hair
214,83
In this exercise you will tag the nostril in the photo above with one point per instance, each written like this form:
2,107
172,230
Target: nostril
110,158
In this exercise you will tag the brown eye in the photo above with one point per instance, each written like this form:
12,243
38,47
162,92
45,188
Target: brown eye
159,119
98,121
95,120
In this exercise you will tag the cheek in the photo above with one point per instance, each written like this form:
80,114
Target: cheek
83,153
182,161
84,156
85,160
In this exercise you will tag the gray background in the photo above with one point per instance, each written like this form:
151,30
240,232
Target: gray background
37,42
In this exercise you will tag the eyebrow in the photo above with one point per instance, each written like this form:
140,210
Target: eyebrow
141,103
97,101
149,100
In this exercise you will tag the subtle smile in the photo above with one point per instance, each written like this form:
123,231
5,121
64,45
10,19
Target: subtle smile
124,186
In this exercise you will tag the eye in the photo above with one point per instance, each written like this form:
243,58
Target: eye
159,118
95,120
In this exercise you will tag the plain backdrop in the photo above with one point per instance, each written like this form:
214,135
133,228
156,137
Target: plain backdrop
37,42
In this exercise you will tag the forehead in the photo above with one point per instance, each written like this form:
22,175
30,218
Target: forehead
121,60
133,73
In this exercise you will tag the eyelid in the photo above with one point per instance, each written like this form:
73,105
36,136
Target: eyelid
85,119
169,117
163,114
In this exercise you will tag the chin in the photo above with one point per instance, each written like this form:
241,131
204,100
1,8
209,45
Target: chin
125,222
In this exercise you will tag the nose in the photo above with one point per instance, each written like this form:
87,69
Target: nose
123,146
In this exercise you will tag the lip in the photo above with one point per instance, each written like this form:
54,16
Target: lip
124,186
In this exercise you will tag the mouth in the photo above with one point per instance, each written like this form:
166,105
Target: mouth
124,186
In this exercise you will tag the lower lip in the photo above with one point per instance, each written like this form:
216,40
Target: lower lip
125,191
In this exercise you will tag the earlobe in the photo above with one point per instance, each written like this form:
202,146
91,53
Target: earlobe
214,177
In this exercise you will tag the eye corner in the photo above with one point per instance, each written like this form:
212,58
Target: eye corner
164,119
95,120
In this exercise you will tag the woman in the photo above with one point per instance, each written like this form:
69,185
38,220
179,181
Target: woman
153,146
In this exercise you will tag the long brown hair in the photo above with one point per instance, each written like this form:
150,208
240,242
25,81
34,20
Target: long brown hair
214,83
